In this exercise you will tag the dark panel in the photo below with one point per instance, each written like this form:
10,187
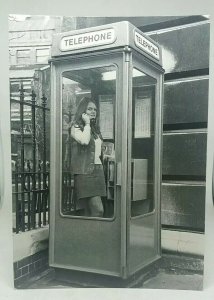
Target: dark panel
143,23
184,153
155,23
185,49
183,206
185,101
83,22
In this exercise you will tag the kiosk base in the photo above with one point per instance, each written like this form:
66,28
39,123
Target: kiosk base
90,280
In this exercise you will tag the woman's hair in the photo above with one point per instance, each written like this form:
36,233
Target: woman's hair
82,107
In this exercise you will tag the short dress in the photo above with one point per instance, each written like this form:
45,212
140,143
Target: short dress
93,184
90,185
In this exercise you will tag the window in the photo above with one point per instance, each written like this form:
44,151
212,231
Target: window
42,55
98,85
15,86
143,144
23,57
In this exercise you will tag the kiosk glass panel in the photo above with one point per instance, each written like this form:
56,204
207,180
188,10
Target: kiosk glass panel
99,85
142,153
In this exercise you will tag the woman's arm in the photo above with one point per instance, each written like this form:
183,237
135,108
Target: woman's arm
82,137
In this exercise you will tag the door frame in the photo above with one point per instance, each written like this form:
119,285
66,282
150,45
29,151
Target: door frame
78,62
146,66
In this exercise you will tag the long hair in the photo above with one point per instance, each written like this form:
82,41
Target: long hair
78,121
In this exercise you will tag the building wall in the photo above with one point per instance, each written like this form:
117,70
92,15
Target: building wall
30,40
186,61
28,36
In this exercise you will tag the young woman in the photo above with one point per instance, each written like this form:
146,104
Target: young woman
89,181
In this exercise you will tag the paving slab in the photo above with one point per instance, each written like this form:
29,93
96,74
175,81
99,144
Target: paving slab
170,272
175,281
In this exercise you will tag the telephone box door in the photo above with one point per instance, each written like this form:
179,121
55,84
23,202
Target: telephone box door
144,170
78,241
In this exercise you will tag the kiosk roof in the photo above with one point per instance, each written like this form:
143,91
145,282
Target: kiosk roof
108,36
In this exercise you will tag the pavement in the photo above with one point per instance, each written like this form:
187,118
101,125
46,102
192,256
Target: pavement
170,272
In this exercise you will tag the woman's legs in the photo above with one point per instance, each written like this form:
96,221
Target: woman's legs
96,206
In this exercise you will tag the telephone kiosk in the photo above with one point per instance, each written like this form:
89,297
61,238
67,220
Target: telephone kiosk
118,67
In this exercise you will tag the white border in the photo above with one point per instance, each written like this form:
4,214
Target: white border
99,8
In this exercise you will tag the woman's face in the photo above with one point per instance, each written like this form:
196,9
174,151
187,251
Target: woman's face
91,110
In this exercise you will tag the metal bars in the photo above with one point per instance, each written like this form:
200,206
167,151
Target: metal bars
30,172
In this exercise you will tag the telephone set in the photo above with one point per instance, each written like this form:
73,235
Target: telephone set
108,149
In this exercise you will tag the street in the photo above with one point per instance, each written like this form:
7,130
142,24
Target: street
170,272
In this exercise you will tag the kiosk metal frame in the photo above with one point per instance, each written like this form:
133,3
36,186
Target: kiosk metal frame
122,244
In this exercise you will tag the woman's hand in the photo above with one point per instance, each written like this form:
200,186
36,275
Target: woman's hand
86,118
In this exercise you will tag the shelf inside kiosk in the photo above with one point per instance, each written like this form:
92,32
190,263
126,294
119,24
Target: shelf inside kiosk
142,153
99,85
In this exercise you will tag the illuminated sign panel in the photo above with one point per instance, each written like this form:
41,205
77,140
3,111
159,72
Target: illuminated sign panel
146,45
86,40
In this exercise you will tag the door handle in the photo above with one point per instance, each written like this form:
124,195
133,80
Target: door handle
1,171
118,175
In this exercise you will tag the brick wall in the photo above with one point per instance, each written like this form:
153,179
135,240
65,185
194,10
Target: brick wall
29,266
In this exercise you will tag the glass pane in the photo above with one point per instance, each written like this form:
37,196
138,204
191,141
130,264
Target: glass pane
23,56
23,53
88,98
42,55
42,59
142,162
42,52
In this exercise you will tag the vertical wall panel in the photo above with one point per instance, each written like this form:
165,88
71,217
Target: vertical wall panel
185,48
185,59
184,154
186,101
183,205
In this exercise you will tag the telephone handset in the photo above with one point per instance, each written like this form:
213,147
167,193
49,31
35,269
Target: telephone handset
92,121
86,118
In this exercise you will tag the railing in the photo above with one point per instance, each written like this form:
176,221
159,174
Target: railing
30,170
